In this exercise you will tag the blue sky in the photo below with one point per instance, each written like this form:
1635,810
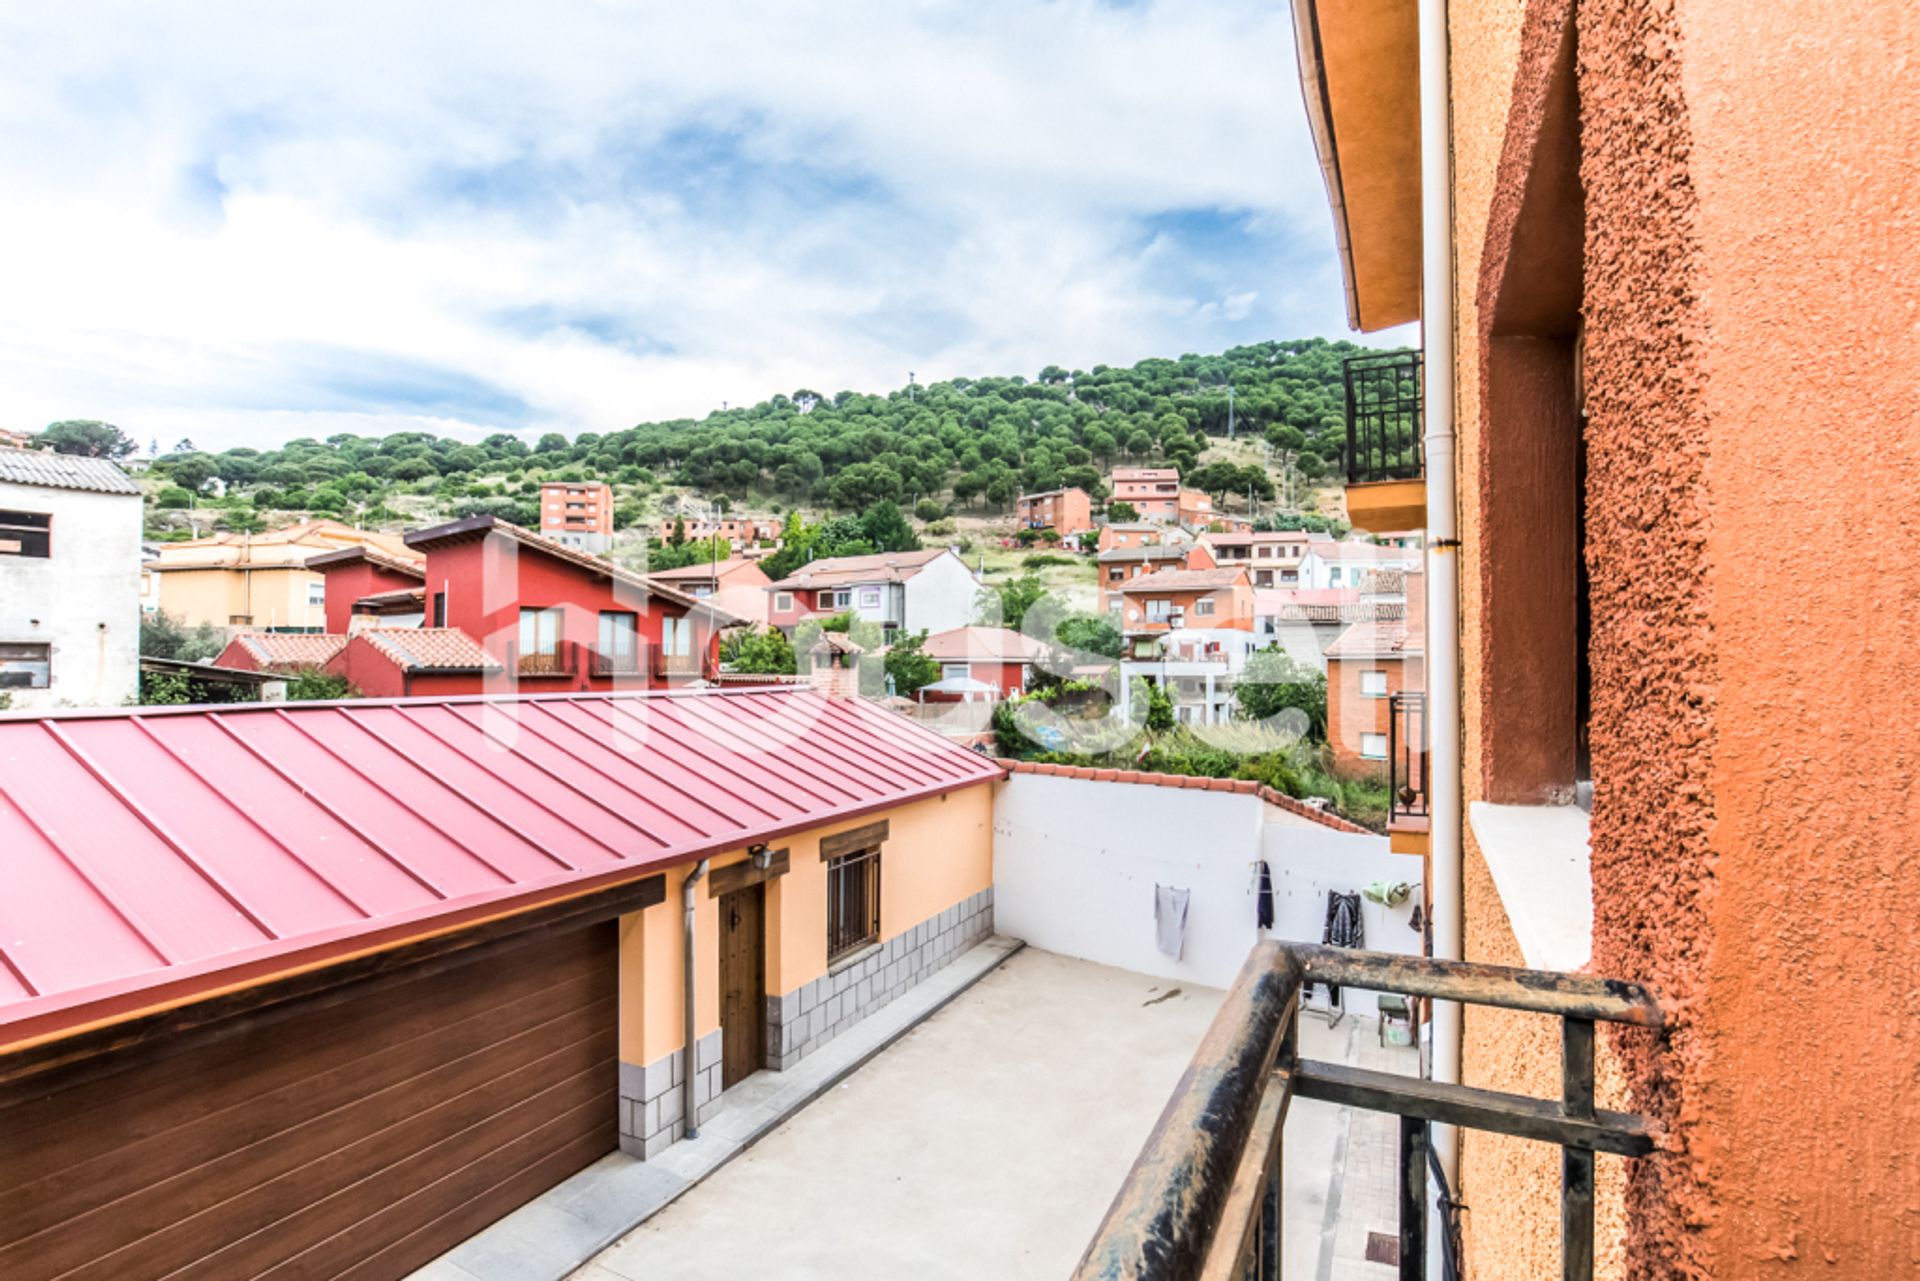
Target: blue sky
242,223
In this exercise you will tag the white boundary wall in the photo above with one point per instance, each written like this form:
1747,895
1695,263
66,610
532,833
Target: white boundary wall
1075,862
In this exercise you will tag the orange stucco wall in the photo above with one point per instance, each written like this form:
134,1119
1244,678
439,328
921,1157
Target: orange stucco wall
1746,862
938,852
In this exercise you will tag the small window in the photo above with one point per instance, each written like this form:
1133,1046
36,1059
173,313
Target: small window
1373,684
439,609
853,902
869,598
1203,606
25,666
317,593
1373,747
26,534
782,602
953,671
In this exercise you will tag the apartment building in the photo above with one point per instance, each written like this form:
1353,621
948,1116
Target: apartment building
1065,511
748,536
1273,557
1333,565
577,514
1168,599
1121,564
1153,492
69,581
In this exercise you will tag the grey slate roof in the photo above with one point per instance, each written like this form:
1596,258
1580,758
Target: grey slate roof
63,471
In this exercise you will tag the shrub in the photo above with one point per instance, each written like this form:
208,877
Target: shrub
172,497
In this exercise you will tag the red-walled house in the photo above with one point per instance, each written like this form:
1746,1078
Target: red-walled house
497,608
354,573
995,656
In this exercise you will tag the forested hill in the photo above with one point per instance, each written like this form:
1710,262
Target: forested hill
973,439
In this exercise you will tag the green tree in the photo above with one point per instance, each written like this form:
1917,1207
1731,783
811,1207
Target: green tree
163,636
1006,604
764,651
311,685
1273,682
908,667
888,531
1122,513
88,437
1094,635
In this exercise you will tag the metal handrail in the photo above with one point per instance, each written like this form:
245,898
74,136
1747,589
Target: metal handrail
1204,1199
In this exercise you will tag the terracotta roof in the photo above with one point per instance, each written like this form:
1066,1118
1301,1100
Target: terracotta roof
1050,493
373,556
401,596
839,643
1157,551
155,856
1244,786
1186,580
983,644
1376,640
882,567
1146,473
474,527
290,651
1361,551
64,471
701,573
431,649
1343,608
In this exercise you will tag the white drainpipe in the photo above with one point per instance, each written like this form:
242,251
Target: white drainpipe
1443,543
692,1050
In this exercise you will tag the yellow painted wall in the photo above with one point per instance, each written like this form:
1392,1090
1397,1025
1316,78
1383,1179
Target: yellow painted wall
938,852
278,597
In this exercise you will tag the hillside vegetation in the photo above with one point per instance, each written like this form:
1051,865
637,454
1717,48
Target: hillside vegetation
956,447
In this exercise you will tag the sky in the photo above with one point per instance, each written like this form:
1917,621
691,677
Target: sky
240,223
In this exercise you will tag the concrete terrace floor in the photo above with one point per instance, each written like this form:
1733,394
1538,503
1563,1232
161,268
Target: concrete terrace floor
988,1143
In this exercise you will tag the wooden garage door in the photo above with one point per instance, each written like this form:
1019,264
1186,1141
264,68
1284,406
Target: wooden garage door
356,1140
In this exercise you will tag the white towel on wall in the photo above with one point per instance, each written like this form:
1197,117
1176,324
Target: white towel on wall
1170,919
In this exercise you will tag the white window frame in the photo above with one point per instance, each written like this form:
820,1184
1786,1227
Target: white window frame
1369,687
783,602
869,598
1369,736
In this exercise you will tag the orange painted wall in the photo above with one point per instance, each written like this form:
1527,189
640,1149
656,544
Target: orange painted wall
1744,860
1807,262
938,852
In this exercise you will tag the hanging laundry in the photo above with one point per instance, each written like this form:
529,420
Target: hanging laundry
1170,919
1344,928
1263,897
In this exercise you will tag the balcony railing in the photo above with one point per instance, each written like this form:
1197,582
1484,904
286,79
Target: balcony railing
1383,417
1407,776
1204,1199
618,663
560,661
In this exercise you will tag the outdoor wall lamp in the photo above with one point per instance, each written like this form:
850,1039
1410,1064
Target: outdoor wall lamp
762,856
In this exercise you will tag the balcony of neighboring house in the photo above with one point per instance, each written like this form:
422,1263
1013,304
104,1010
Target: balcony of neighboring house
1408,819
1386,476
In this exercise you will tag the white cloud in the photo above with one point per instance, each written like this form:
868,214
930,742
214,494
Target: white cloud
245,222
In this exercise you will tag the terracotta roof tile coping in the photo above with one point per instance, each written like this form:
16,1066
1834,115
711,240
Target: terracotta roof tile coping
1245,786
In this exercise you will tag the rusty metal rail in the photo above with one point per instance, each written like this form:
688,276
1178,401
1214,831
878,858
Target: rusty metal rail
1203,1201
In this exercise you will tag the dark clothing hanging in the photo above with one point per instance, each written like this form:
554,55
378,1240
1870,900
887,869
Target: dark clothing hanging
1344,928
1263,898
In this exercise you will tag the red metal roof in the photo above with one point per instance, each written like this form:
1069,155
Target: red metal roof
151,856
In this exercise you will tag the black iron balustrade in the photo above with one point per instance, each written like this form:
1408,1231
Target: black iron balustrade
1203,1201
1383,417
1407,776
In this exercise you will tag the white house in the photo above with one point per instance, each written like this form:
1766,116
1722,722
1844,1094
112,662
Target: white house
69,581
1344,564
931,591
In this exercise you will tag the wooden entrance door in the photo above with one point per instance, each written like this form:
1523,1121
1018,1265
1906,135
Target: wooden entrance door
743,989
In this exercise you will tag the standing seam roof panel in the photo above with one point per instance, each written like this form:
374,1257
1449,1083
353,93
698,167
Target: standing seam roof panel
157,855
